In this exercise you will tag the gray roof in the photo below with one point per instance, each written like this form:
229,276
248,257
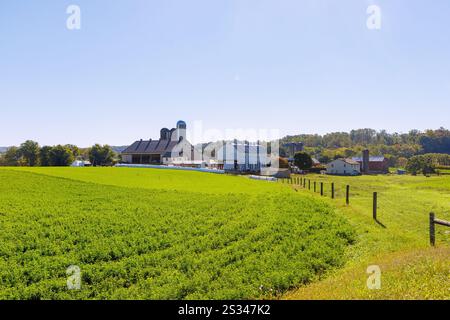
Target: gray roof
371,159
350,161
150,147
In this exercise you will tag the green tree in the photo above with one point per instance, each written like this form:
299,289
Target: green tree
75,150
414,164
303,160
29,150
11,157
420,163
324,159
60,156
44,156
402,162
101,155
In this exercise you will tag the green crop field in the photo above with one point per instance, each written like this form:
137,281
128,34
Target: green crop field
166,234
160,234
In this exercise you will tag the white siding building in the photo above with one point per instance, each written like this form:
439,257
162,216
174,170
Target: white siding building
344,167
242,156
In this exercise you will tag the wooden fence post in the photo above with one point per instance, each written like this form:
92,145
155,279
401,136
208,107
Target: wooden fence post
321,189
332,190
309,184
432,230
375,198
314,186
347,195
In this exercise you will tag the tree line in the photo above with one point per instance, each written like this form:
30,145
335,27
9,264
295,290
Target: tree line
396,147
428,163
31,154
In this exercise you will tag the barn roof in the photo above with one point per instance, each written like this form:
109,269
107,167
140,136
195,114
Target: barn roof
371,159
349,161
150,147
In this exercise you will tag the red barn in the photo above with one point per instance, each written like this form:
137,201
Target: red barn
378,165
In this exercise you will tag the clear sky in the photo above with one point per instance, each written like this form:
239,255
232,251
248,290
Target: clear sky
299,66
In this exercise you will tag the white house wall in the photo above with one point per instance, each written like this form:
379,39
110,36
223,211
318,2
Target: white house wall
127,158
341,167
241,154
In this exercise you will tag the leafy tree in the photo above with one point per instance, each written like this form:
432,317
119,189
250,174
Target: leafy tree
101,155
363,136
44,156
11,157
420,163
60,156
303,160
337,140
414,165
29,150
75,150
437,141
402,162
324,159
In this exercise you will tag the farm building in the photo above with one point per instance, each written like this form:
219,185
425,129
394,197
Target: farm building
81,163
372,165
344,167
242,156
316,163
172,147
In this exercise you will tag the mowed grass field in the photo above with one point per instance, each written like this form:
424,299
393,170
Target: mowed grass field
398,242
161,234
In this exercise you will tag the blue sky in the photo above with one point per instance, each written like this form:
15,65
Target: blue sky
296,66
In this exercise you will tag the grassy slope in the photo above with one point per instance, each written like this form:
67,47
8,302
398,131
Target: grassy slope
163,242
411,274
399,243
160,179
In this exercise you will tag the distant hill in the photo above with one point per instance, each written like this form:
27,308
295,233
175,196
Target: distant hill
3,149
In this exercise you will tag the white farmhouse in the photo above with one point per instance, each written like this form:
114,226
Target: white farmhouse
344,167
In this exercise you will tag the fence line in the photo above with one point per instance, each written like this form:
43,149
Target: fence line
433,222
301,182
